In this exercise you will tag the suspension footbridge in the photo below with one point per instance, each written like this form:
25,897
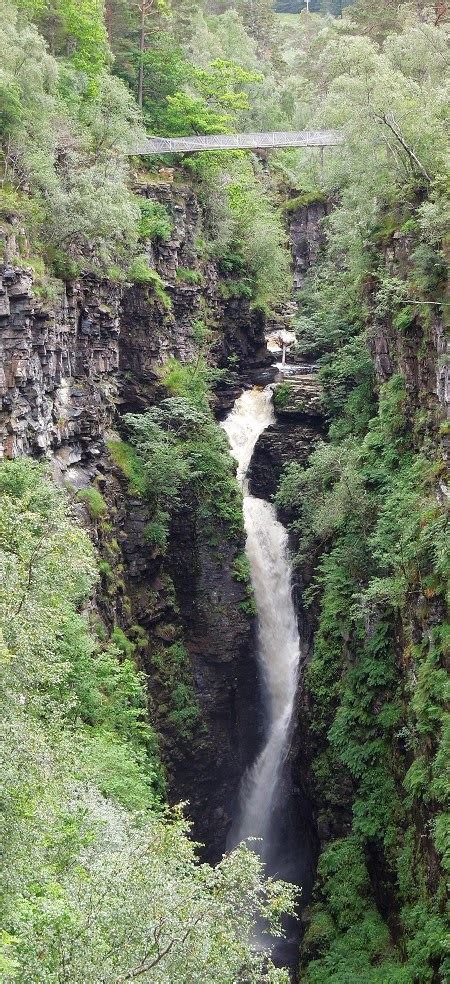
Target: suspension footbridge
239,141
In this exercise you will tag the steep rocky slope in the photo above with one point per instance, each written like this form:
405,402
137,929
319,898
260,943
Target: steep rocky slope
369,526
71,366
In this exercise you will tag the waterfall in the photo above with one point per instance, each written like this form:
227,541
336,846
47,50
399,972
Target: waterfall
278,638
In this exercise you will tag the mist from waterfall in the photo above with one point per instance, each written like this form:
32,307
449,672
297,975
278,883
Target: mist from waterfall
278,638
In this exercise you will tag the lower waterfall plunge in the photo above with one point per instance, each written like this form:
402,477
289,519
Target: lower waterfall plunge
278,637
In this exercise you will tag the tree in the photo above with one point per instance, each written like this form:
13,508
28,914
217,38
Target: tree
257,15
75,30
99,881
146,8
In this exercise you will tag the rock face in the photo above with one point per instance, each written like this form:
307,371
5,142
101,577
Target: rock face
307,237
417,351
280,444
298,427
58,367
420,351
67,365
69,369
216,633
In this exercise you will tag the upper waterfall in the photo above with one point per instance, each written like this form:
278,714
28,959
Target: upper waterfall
278,638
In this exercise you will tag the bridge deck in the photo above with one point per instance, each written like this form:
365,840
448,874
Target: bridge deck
240,141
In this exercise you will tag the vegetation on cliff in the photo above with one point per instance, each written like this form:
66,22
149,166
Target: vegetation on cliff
69,122
99,880
369,508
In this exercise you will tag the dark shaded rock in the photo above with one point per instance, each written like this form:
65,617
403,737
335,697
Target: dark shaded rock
58,368
219,637
307,237
280,444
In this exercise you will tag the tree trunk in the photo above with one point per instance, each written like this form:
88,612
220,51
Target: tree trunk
145,6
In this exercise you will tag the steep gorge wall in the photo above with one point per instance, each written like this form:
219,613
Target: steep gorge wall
70,368
407,344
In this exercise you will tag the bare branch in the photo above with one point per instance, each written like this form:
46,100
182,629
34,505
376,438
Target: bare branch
389,120
144,967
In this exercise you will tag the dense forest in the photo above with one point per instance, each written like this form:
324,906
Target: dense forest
102,700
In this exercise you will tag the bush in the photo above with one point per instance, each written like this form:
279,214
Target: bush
156,223
282,395
314,197
180,708
78,208
179,446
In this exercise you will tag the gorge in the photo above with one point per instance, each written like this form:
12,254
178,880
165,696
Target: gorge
223,495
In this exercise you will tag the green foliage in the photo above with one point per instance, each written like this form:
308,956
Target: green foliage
156,223
404,319
187,276
125,457
190,382
372,504
141,273
235,288
65,136
122,642
242,573
94,868
313,197
282,395
365,512
94,501
78,27
201,74
180,447
347,379
261,241
178,707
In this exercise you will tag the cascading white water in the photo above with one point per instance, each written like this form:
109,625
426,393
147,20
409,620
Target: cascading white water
278,638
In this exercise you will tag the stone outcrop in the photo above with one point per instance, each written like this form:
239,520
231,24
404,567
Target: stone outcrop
280,444
298,427
219,638
59,365
306,236
299,397
420,349
67,364
187,598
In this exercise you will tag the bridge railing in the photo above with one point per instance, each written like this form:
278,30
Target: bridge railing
239,141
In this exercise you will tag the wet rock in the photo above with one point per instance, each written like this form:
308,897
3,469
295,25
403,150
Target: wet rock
280,444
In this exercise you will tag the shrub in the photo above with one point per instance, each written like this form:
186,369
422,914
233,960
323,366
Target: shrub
242,573
126,458
282,395
181,709
180,445
156,223
141,273
313,197
94,501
